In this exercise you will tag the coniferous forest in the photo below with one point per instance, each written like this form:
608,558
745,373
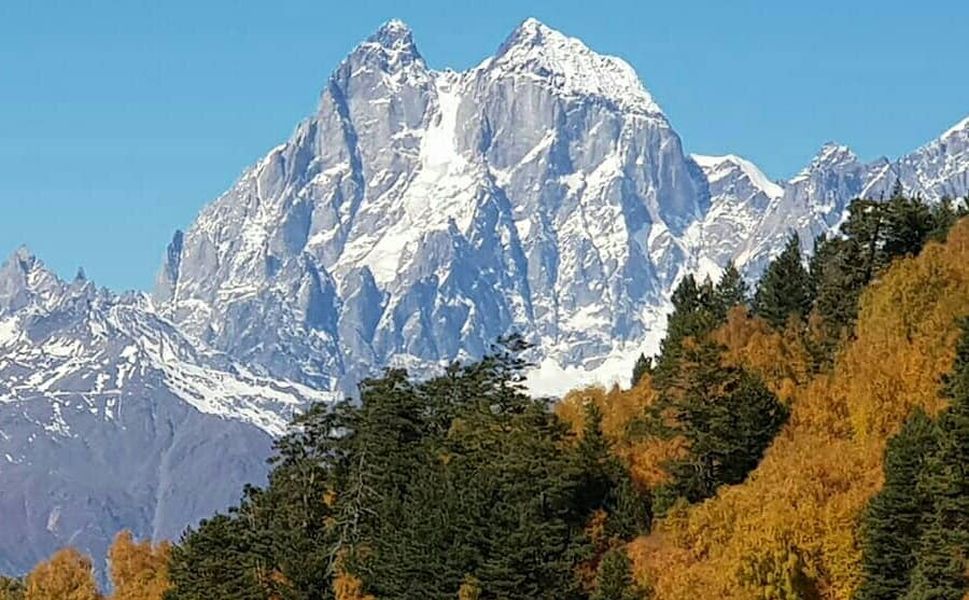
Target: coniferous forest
805,438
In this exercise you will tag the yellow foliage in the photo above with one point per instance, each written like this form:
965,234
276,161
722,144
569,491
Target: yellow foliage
470,589
68,575
789,530
347,586
779,358
619,408
139,570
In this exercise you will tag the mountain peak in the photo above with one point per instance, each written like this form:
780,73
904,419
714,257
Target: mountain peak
536,51
23,260
390,49
393,35
834,153
716,167
962,127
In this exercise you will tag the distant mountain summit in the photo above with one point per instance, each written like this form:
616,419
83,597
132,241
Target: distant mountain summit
414,218
110,418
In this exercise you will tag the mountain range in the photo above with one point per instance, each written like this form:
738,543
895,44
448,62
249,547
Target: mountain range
410,221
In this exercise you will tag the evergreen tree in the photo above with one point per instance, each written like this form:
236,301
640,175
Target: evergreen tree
727,416
943,558
784,289
614,579
643,366
893,522
216,562
731,291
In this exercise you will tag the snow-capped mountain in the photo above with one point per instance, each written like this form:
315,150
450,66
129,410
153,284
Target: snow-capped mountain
420,214
110,419
414,218
815,201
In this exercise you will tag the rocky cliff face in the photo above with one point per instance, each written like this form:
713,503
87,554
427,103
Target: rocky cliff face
418,215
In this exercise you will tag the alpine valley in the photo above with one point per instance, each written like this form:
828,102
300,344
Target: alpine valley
413,219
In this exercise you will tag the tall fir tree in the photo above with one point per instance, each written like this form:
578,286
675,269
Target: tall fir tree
614,580
942,561
727,416
784,290
893,522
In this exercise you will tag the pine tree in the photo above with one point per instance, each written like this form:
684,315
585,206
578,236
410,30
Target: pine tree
614,580
731,291
784,290
943,557
728,417
216,561
893,522
643,366
695,314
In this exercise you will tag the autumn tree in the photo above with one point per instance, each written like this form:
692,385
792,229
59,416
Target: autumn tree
139,570
67,575
11,588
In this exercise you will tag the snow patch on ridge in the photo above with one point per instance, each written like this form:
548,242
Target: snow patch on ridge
543,54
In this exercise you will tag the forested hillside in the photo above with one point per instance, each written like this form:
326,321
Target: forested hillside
803,439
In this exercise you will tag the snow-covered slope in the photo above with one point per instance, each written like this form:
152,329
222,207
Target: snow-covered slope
111,419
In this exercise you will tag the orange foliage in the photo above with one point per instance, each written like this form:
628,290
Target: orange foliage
68,575
779,358
789,531
347,586
619,408
139,570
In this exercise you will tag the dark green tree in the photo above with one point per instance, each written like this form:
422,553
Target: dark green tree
643,366
731,290
943,557
784,290
216,562
893,522
726,414
614,580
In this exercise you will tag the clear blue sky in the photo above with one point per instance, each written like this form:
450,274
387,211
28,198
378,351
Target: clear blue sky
119,119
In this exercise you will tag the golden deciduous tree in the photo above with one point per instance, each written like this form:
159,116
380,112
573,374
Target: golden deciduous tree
347,586
470,589
67,575
139,570
644,456
790,530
